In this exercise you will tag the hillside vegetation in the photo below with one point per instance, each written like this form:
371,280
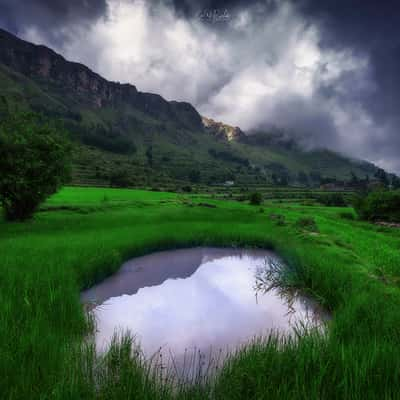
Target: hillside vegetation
380,205
132,138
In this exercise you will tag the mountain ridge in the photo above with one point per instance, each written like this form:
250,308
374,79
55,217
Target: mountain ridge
41,62
143,133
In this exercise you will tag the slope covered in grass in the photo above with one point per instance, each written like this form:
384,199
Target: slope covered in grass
352,268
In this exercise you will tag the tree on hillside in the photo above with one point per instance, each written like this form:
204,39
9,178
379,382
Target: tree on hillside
34,163
3,108
381,175
302,178
256,198
281,178
120,178
354,178
194,176
379,205
315,177
149,155
284,179
395,182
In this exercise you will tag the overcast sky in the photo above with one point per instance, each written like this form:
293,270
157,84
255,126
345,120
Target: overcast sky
326,71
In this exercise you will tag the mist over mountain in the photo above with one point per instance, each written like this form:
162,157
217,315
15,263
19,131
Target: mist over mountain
325,72
120,130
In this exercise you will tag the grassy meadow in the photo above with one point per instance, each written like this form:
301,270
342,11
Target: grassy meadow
81,235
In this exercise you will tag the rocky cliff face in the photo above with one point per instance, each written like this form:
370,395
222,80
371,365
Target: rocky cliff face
223,131
47,67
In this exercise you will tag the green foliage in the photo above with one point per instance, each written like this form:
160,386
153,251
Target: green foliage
256,199
120,178
228,156
4,112
332,200
108,140
187,189
281,178
34,163
278,218
380,205
307,223
315,177
381,175
149,155
194,176
302,178
346,215
395,182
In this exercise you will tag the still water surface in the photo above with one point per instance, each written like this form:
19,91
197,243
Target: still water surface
199,298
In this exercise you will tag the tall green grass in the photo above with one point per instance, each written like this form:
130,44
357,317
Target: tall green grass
351,267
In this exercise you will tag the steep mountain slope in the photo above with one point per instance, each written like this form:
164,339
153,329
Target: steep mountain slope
74,84
126,136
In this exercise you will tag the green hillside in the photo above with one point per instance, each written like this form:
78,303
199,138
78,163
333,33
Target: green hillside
124,137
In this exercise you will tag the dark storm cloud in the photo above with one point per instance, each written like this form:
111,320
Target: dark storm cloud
191,7
372,28
302,117
326,71
50,17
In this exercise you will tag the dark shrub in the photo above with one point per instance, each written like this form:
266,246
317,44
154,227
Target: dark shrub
227,156
187,189
378,206
346,215
34,163
114,144
278,218
308,224
194,176
256,199
120,179
332,200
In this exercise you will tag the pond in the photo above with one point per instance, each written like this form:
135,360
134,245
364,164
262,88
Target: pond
196,301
